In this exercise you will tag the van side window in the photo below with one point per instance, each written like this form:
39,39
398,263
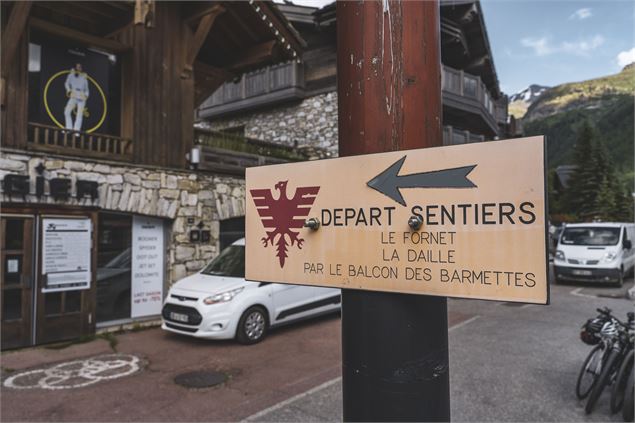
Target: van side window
625,236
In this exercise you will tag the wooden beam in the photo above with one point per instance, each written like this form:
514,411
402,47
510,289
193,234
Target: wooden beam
290,36
97,8
117,5
81,37
72,12
144,13
196,10
197,41
253,55
241,22
13,32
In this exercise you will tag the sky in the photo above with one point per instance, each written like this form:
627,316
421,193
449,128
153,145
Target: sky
553,42
550,42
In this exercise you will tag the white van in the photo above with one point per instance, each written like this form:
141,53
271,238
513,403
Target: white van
595,252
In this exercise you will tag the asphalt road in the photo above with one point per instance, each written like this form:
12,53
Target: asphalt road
507,363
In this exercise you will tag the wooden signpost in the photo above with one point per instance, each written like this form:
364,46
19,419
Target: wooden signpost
462,221
401,230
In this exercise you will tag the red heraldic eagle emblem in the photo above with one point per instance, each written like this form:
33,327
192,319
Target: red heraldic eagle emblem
284,217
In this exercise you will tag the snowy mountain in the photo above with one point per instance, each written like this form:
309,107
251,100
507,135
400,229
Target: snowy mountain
529,94
520,102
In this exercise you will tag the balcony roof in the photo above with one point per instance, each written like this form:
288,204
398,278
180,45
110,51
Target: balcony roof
227,38
466,43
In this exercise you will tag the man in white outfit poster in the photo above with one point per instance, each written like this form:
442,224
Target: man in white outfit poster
77,92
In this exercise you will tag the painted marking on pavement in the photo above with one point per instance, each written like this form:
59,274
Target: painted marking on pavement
463,323
76,374
292,399
578,293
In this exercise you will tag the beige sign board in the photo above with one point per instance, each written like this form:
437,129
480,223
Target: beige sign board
481,208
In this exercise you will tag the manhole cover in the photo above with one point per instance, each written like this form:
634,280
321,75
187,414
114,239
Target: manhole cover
200,379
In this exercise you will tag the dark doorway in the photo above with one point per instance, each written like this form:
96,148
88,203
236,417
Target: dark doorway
231,230
16,268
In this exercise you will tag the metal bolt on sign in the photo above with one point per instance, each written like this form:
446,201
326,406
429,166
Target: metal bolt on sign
312,223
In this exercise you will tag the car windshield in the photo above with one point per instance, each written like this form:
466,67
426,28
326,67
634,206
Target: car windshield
591,235
230,262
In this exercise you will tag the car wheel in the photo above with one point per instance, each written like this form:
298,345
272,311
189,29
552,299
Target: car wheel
252,326
620,280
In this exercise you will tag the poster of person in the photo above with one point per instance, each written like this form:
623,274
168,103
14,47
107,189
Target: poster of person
73,88
77,92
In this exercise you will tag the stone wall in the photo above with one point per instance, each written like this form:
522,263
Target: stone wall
170,194
310,124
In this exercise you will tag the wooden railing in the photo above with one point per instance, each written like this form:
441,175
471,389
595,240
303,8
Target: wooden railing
62,141
264,86
452,136
472,87
229,153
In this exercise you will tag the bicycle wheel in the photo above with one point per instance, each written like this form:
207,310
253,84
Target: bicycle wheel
607,368
617,393
589,372
629,393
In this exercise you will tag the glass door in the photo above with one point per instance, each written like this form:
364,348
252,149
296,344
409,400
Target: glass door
16,286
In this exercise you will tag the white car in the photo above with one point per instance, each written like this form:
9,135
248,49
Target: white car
218,303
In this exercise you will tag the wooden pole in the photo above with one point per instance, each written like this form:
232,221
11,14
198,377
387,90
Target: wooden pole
394,346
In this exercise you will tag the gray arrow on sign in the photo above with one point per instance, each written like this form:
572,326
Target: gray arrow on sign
389,182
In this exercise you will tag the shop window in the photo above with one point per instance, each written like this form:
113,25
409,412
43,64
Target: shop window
52,303
72,86
14,234
73,302
114,267
11,304
231,230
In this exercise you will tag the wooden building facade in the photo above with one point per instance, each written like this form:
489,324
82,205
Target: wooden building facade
474,108
102,205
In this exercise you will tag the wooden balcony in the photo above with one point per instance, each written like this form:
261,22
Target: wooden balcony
463,93
453,136
466,95
266,86
232,154
53,139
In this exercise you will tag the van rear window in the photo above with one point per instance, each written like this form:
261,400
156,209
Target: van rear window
591,235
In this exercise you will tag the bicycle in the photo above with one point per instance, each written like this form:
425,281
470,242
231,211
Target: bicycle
621,384
592,365
615,339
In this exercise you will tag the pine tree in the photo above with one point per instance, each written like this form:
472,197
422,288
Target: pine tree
623,204
604,206
554,193
581,194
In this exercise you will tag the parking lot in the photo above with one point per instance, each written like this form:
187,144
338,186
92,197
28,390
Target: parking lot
508,362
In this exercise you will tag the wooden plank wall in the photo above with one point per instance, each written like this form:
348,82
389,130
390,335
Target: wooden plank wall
157,104
14,109
163,108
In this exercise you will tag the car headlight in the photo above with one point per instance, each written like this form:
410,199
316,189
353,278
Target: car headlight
223,297
609,257
560,255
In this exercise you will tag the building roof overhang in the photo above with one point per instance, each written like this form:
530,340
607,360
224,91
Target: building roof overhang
466,43
226,38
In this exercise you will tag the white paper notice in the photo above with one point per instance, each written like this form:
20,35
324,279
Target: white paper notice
66,254
13,266
147,266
